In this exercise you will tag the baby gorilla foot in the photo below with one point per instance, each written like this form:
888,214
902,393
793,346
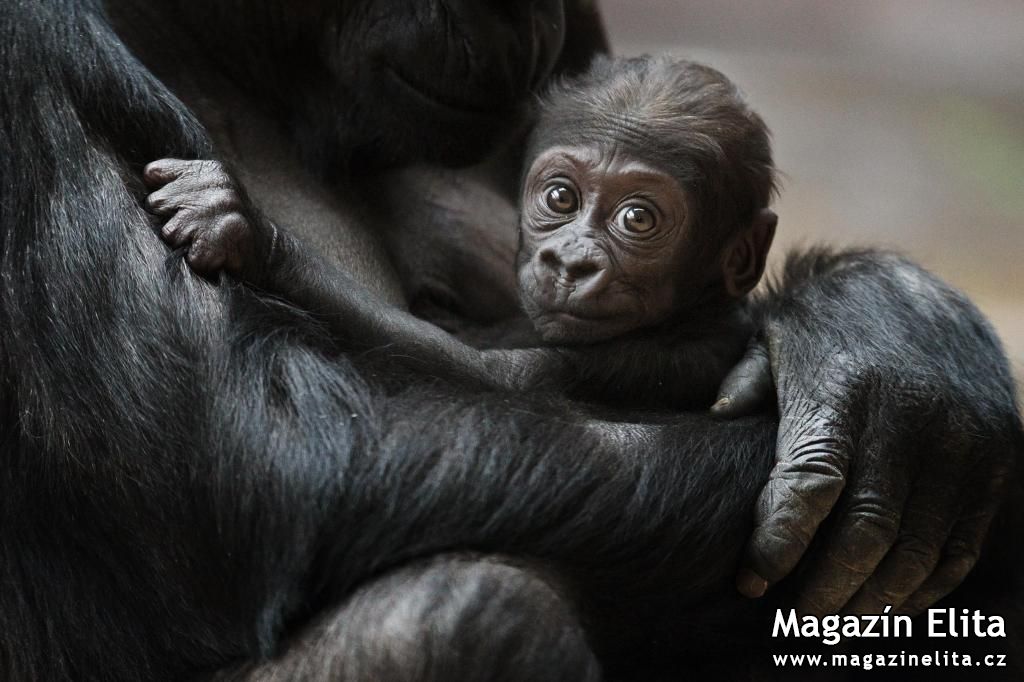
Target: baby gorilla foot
207,212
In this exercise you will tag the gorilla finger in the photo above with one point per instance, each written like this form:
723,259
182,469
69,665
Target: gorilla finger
792,505
748,386
867,524
948,575
911,560
853,550
967,536
184,194
199,197
164,201
960,554
808,477
927,522
179,229
159,173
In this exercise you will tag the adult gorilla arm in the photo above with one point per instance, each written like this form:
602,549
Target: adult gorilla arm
897,409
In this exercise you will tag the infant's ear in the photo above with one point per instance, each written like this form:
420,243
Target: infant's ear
745,257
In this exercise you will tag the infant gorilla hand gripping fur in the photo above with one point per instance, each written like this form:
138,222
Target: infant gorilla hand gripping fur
644,224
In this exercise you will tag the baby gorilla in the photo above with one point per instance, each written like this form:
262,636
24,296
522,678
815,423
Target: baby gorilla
644,224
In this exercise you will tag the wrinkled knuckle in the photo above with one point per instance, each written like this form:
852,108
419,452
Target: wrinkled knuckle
874,518
822,454
811,444
873,523
809,475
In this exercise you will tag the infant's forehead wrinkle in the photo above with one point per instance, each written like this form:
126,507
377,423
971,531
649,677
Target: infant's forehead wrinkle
594,124
613,126
610,156
640,135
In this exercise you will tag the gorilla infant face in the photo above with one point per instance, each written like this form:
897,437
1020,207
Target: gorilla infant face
605,245
443,80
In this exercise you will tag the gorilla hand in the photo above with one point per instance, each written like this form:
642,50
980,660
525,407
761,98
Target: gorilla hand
208,212
884,415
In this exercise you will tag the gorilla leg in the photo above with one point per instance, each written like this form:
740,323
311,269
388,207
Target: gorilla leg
447,619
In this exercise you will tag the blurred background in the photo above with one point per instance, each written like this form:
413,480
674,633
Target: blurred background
897,123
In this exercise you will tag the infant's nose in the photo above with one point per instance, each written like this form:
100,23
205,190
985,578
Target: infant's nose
577,266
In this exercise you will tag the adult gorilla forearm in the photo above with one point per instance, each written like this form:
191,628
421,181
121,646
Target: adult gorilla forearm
628,511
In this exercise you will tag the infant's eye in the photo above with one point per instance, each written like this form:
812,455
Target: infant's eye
562,199
637,219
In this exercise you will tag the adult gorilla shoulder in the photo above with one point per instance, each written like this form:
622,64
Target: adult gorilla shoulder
196,483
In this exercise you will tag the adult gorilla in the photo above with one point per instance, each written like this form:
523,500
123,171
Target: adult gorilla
194,481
